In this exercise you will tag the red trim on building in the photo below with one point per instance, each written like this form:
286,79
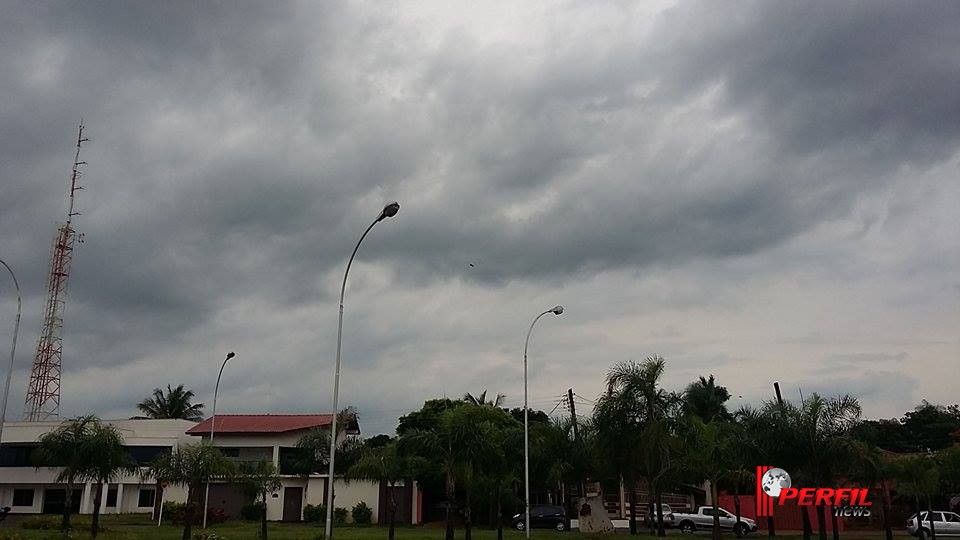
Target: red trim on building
267,423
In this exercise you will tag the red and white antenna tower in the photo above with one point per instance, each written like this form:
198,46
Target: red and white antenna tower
43,391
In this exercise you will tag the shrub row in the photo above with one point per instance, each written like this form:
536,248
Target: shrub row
361,513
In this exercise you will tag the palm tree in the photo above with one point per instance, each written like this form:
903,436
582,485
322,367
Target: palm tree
870,468
918,477
385,465
62,448
819,432
704,398
460,443
313,449
707,457
105,458
191,466
660,465
481,399
633,400
743,457
175,403
257,480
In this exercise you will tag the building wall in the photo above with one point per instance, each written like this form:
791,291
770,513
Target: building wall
252,447
347,495
136,433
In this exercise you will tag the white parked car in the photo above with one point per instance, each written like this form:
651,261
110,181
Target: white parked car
668,521
944,524
702,520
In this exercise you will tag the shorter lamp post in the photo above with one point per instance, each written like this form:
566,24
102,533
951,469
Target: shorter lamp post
213,423
557,310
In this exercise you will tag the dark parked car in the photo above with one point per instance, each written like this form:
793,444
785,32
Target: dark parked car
542,517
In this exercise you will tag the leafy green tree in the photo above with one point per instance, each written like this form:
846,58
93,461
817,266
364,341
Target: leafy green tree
174,403
191,466
933,427
428,417
63,448
104,458
707,400
257,480
459,442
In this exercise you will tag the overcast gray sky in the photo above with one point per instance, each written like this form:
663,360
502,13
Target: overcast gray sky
758,190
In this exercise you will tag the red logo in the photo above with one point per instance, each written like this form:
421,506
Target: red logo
774,483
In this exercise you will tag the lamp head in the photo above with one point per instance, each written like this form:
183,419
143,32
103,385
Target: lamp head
557,310
389,210
230,355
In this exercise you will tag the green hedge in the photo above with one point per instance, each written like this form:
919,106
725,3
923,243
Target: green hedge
362,514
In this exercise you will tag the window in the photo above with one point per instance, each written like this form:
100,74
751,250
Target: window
707,511
112,497
147,498
230,452
23,497
16,456
143,455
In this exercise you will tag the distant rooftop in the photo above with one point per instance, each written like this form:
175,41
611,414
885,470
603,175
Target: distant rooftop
268,423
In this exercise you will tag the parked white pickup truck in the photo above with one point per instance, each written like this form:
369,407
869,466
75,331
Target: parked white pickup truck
702,520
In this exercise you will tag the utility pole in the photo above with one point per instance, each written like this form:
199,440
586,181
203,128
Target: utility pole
771,529
573,415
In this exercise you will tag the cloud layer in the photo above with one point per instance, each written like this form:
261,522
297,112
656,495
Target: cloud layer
761,191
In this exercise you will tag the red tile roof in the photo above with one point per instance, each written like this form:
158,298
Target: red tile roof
266,423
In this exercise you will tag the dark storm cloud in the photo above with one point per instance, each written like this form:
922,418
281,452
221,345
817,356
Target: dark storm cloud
239,149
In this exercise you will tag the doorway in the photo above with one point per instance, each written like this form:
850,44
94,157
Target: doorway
292,503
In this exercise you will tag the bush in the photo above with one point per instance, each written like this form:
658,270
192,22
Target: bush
362,514
175,513
216,515
252,511
42,523
339,516
314,514
52,522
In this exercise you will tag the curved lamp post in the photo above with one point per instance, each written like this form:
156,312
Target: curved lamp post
526,422
13,350
388,211
213,422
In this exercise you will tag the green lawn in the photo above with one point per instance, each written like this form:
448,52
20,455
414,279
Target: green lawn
136,526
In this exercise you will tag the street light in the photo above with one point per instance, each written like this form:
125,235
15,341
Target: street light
13,350
389,210
213,422
557,310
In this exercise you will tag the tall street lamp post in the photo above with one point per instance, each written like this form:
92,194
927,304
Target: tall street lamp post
388,211
13,349
526,422
213,422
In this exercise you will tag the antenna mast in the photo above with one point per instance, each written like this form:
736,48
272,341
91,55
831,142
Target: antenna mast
42,400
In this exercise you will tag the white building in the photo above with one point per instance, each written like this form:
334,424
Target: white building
240,437
29,490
